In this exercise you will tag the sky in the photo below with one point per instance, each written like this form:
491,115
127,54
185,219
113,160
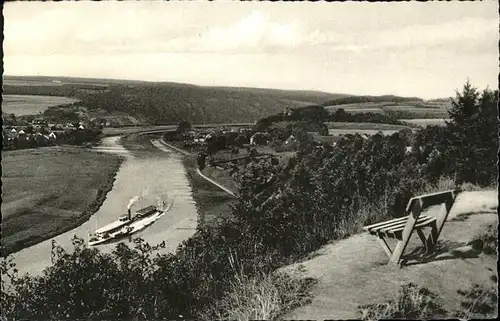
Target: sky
424,49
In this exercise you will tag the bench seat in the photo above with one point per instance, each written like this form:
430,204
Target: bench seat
394,228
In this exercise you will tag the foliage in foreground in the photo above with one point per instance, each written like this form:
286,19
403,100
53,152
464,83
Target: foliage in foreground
417,303
478,302
412,303
262,297
488,239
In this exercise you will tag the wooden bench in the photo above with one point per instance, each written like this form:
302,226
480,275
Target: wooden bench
402,228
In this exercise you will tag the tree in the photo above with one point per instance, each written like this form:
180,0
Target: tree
464,106
473,127
316,113
14,119
201,160
184,126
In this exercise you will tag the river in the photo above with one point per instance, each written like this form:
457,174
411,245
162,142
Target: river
148,172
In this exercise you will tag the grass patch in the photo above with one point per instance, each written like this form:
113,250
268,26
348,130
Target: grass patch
370,126
417,303
52,190
262,297
413,303
424,122
487,239
21,105
478,303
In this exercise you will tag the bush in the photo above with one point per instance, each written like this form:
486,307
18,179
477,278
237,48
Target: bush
183,127
86,283
487,240
340,115
479,303
412,303
418,303
262,297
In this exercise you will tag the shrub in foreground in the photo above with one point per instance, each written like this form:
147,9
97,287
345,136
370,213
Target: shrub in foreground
478,303
261,297
487,239
417,303
412,303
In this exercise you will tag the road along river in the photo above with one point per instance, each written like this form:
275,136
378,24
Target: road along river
147,172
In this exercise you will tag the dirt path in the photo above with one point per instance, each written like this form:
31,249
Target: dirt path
353,271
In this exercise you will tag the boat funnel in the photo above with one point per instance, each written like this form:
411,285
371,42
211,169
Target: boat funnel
129,214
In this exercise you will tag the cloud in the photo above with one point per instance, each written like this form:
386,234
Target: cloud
463,32
109,28
254,32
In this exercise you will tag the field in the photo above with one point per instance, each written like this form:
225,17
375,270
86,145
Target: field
21,105
364,126
424,122
405,110
51,190
52,81
360,131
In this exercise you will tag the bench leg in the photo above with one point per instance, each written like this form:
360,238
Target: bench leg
416,210
386,247
438,227
431,239
422,237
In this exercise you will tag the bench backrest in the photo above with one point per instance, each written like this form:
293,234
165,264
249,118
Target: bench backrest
432,199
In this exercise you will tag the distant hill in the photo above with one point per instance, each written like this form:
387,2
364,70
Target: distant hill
168,103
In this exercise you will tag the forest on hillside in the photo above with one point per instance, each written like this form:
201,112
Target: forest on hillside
170,103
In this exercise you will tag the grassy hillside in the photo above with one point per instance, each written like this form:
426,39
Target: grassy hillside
49,190
168,103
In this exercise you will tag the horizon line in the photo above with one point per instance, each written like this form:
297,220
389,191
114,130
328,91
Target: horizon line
230,86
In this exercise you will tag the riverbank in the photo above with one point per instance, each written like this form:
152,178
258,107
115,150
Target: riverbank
220,178
212,202
49,191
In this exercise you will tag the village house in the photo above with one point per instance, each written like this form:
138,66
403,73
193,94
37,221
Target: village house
290,140
287,111
330,140
57,131
258,139
314,133
38,121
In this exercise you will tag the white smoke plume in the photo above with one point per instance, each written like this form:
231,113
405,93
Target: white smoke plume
159,203
132,201
145,193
